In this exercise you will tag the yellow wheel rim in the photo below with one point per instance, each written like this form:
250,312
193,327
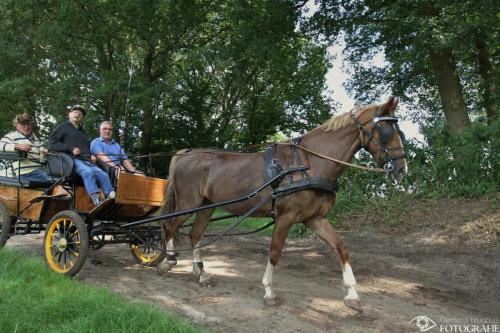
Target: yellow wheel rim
62,245
145,254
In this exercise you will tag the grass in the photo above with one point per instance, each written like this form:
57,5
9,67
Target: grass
35,299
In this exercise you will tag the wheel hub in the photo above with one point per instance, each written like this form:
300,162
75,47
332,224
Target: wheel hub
62,244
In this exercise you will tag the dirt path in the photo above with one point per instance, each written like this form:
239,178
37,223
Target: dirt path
400,275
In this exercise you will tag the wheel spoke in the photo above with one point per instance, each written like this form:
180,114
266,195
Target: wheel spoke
74,252
73,234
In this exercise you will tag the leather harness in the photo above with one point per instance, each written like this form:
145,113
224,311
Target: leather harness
273,169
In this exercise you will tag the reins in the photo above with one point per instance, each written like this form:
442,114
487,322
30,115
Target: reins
362,167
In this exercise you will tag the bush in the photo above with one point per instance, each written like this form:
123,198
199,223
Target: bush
465,165
447,165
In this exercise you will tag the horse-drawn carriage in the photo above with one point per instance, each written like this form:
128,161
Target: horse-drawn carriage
291,182
61,208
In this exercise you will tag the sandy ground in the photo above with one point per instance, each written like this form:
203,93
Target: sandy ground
444,263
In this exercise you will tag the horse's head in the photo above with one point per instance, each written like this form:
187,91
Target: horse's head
383,139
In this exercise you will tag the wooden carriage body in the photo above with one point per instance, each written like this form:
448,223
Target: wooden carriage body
62,204
136,198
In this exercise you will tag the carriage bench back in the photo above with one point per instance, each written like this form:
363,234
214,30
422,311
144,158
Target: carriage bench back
15,181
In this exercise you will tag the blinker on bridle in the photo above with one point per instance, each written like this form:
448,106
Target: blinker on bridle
384,126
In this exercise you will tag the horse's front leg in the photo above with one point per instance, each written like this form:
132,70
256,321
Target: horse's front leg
324,230
280,234
196,234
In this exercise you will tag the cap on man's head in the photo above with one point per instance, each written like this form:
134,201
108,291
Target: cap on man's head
24,118
77,107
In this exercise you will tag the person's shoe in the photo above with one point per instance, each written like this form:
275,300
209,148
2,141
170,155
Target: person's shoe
111,195
96,199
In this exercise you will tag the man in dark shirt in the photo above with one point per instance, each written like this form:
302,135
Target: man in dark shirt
70,137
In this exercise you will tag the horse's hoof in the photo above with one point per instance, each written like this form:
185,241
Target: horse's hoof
272,301
164,267
354,304
205,283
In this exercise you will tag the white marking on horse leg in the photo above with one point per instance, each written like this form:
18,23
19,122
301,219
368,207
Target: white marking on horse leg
267,281
170,247
169,262
349,282
198,268
171,257
197,262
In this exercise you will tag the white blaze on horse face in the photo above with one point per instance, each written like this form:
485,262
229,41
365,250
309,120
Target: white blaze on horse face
267,281
349,282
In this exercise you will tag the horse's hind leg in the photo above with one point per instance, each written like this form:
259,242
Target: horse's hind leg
200,225
168,228
280,235
324,230
171,259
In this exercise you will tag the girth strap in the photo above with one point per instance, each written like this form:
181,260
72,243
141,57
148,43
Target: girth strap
305,184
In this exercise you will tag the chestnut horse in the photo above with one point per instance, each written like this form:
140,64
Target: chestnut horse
203,176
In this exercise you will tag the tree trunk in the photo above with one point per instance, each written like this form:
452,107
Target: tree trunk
147,125
105,56
450,89
109,101
489,87
147,129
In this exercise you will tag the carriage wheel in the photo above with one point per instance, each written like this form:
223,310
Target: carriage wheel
4,224
66,243
147,250
146,256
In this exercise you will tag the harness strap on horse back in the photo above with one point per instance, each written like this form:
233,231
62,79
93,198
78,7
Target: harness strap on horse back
297,158
273,167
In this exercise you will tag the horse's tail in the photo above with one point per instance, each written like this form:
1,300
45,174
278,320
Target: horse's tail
169,201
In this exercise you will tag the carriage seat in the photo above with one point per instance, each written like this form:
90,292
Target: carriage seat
14,181
61,165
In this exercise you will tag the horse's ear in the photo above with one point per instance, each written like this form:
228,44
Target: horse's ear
390,106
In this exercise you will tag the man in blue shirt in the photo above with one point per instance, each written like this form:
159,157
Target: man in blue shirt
109,151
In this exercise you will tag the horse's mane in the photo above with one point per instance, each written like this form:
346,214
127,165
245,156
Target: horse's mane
344,119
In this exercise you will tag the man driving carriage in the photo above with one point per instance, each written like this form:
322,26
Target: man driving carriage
25,141
70,137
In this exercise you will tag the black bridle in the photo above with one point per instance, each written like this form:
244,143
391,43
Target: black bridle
385,126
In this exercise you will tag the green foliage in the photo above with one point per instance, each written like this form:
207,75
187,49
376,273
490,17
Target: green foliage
465,165
35,299
458,165
406,33
168,74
